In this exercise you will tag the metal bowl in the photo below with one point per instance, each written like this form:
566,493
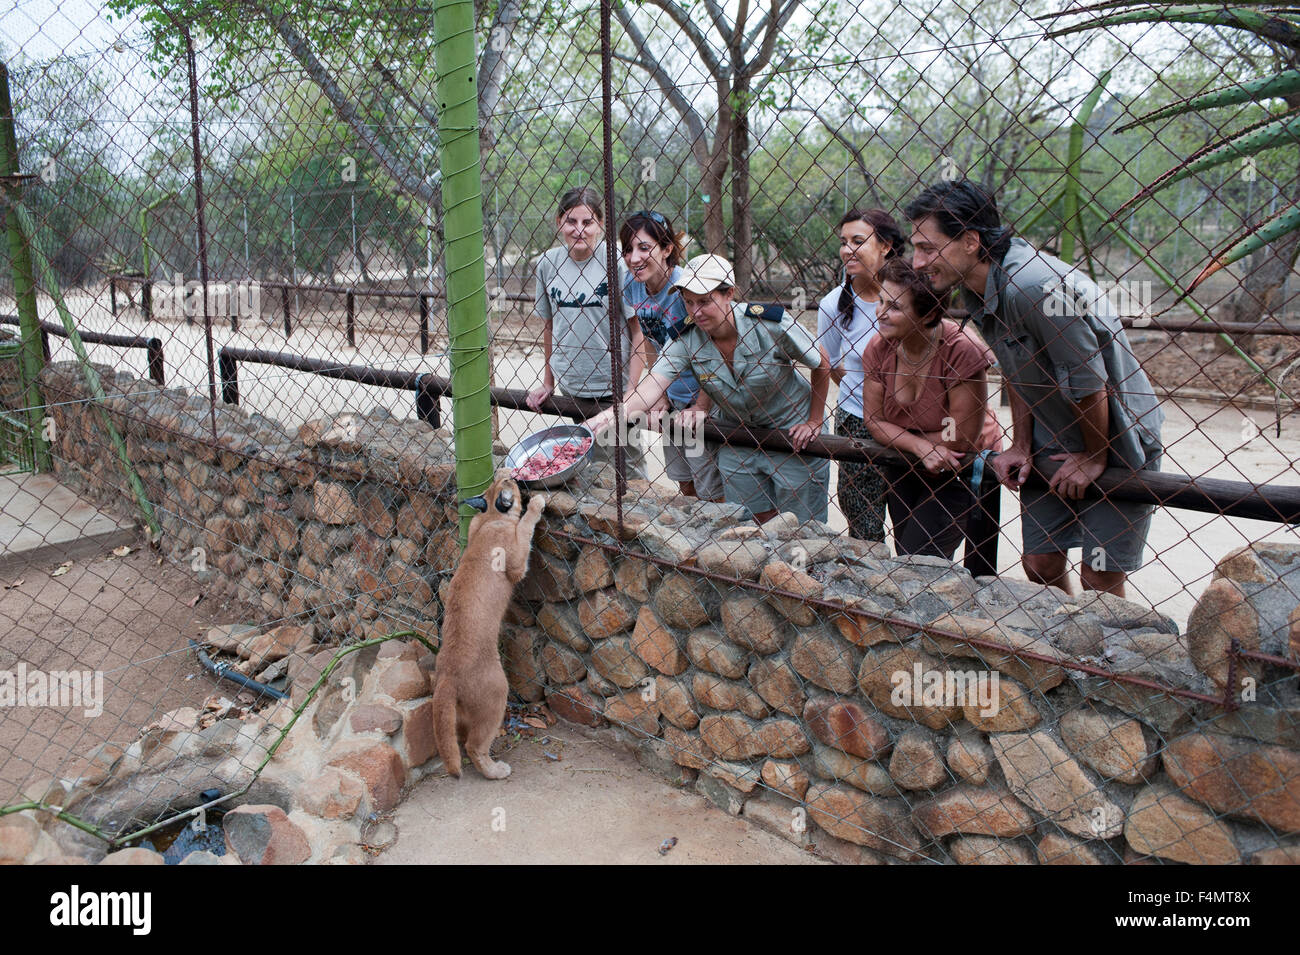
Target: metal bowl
543,441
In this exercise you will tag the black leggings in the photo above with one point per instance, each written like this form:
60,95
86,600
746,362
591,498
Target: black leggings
929,511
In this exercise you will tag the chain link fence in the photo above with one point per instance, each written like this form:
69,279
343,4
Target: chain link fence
945,514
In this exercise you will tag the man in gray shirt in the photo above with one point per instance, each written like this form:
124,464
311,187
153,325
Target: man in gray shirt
1078,395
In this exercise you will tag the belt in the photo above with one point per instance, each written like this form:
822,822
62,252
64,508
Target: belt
977,470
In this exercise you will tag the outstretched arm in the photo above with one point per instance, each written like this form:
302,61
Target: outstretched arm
649,390
547,387
801,434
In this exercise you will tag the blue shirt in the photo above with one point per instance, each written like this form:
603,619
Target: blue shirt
663,319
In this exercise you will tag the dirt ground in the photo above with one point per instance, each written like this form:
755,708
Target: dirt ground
595,805
128,617
1192,362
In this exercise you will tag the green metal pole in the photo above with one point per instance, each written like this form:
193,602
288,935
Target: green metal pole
462,194
32,359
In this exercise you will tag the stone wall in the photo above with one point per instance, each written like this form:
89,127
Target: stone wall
788,711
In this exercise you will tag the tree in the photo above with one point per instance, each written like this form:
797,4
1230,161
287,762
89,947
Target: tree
735,53
351,52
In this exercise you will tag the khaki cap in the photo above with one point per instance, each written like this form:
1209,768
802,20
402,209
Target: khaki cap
704,273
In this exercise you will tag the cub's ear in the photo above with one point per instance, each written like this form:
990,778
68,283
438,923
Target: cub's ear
505,501
478,503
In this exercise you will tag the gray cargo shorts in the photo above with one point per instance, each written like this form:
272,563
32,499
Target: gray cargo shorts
1113,534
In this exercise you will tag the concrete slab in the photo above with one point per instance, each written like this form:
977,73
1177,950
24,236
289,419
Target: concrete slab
41,519
595,806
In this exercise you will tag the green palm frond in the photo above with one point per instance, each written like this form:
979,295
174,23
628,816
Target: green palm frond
1253,91
1271,21
1277,28
1251,241
1271,5
1253,139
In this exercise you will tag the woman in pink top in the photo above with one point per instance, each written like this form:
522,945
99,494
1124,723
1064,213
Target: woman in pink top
926,393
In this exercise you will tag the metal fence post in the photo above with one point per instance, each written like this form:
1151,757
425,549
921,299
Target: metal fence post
352,319
24,277
462,191
424,323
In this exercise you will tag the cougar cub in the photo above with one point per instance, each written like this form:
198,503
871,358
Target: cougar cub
469,694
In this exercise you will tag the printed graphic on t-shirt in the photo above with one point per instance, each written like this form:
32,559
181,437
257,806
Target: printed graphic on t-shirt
655,324
596,301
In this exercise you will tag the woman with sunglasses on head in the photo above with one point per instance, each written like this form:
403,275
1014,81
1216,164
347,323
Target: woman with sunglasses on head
744,355
925,392
572,296
652,252
846,321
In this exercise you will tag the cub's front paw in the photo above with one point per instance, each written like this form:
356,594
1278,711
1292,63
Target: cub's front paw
536,503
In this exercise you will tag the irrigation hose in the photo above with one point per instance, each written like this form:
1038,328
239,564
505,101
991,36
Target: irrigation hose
226,671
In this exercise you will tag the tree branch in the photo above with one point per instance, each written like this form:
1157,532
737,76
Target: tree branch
773,22
667,85
492,67
693,33
402,91
403,175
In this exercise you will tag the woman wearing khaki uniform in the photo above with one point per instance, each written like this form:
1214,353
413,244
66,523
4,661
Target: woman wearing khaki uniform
743,356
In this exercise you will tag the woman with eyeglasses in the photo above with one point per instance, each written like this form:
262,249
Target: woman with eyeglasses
744,355
652,252
572,297
846,321
925,392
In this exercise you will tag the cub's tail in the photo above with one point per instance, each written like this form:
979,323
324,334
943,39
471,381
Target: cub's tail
444,726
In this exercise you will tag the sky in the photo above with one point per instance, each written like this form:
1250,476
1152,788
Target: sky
41,29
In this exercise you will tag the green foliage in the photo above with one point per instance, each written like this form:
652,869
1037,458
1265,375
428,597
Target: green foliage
1280,28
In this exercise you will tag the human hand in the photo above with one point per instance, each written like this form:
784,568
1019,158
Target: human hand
600,423
655,416
941,458
692,418
1012,467
538,395
1075,475
801,434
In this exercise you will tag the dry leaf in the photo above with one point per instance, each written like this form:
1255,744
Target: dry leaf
534,721
121,551
62,569
17,583
193,600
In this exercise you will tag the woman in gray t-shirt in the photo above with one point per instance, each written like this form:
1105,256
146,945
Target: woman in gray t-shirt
572,297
